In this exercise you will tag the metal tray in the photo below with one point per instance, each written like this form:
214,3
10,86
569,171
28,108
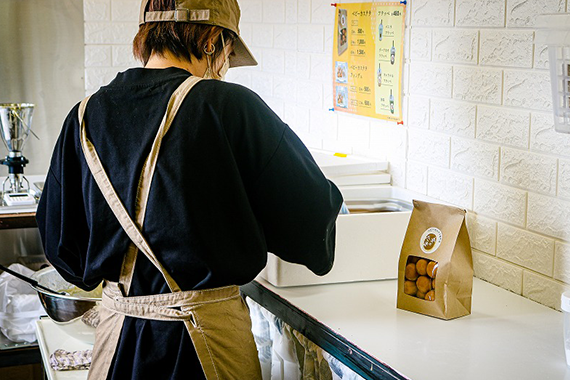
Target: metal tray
378,205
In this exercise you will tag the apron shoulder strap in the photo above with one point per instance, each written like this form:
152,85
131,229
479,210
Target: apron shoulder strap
81,110
133,229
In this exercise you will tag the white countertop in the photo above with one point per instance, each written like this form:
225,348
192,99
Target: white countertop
51,338
505,337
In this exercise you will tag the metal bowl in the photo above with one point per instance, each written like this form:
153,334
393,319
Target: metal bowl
75,314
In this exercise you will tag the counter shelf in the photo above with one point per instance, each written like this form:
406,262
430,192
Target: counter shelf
17,220
16,354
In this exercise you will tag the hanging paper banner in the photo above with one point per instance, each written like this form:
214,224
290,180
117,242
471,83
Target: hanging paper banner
368,59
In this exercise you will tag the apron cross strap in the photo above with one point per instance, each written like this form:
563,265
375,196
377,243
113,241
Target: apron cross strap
217,320
133,229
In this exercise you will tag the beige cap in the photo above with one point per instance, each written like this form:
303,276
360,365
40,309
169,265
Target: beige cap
224,13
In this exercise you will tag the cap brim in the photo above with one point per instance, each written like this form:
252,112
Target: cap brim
242,55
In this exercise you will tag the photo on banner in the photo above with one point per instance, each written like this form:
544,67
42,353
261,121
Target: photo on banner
368,59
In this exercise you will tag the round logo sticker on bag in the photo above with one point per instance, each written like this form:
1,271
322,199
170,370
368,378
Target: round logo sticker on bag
431,240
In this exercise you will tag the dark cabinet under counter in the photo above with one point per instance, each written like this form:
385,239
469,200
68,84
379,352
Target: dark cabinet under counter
19,360
18,220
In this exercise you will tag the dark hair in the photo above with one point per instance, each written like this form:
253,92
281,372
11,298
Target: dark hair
179,38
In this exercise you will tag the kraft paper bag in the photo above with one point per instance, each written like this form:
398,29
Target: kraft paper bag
435,271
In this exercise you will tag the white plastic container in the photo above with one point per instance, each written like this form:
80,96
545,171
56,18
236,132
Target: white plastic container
565,306
367,245
553,30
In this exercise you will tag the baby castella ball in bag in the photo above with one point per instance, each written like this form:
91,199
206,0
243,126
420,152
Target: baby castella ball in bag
435,272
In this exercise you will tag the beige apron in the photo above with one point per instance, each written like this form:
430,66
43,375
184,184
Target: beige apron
216,319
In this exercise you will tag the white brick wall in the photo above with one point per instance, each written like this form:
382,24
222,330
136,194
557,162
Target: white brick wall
125,10
98,56
285,37
452,117
525,248
455,45
495,126
543,289
499,272
503,126
527,170
425,146
417,177
477,84
450,187
482,232
564,179
420,116
388,139
548,215
420,44
433,12
506,48
528,89
431,79
523,12
477,131
500,202
479,13
562,262
97,10
110,26
543,138
474,157
541,56
274,11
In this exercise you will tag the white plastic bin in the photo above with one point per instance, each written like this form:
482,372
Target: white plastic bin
553,30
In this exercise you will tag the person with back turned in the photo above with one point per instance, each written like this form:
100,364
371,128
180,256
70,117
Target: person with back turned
170,186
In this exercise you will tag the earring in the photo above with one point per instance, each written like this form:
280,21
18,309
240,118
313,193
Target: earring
211,51
209,73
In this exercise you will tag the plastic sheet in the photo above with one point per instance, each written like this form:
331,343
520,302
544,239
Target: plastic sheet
286,354
19,306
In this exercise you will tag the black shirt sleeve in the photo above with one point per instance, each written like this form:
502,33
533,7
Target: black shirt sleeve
297,206
294,202
61,213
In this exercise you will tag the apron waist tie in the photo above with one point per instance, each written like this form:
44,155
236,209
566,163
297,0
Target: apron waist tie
178,306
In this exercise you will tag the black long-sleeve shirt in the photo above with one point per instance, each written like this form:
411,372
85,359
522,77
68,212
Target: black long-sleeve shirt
232,182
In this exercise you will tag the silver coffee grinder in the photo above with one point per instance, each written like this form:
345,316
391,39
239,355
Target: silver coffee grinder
15,123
